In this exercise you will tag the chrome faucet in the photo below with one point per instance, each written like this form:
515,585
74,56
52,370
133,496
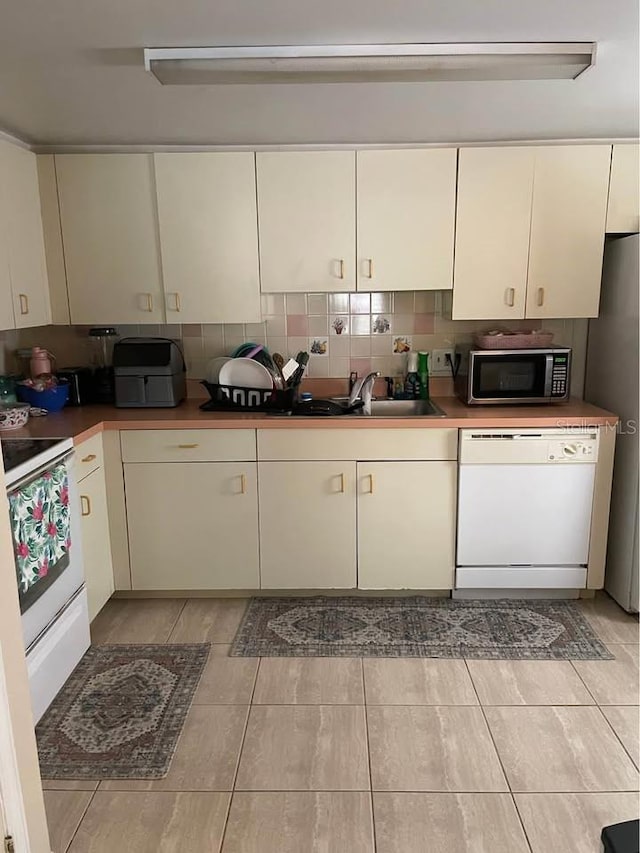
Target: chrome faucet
363,388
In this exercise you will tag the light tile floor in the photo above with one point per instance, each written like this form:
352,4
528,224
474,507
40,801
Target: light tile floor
335,755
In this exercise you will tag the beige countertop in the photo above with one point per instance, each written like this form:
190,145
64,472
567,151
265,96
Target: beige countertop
81,423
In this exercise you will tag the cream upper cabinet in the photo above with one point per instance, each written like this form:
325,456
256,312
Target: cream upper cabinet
7,320
192,525
493,220
623,211
567,230
307,220
406,525
307,525
406,219
209,237
24,241
110,237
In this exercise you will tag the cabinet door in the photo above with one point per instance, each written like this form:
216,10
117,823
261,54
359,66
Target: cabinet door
25,241
96,546
109,231
567,230
306,218
209,237
406,525
307,525
7,320
192,525
406,219
623,211
492,233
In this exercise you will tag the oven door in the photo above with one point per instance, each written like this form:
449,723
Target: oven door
39,609
497,377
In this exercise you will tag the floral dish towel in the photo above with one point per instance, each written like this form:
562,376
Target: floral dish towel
41,527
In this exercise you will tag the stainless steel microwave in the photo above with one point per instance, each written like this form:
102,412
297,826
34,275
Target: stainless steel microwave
505,376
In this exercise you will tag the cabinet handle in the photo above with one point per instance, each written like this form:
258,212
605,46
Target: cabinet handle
370,270
540,297
510,296
341,484
243,484
149,297
178,305
371,484
187,446
24,303
341,266
89,458
85,504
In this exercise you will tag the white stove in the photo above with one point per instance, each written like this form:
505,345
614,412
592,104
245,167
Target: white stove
53,600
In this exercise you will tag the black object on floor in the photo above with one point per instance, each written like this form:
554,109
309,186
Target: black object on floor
622,837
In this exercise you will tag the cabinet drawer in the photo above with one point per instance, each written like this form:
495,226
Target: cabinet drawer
367,444
188,445
89,456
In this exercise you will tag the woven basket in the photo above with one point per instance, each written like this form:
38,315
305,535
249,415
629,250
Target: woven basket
515,340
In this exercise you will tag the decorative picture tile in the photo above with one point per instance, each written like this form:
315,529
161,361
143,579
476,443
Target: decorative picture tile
319,346
380,325
401,345
339,324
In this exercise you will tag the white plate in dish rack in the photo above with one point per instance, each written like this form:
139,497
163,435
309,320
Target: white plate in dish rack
245,373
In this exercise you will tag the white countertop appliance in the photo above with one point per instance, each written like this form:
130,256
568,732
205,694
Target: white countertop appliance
44,510
507,376
525,499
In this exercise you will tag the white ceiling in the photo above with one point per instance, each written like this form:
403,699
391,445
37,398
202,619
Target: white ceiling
71,71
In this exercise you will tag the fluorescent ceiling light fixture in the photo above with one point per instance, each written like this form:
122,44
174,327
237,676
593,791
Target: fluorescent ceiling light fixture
366,63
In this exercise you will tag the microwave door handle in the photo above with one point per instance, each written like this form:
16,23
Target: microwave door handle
548,374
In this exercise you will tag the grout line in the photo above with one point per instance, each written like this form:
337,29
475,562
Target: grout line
177,619
338,791
235,775
366,734
504,772
75,832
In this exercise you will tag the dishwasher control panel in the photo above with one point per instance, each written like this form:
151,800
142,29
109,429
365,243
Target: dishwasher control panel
578,450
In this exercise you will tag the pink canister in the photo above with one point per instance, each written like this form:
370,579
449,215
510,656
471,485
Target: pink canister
40,361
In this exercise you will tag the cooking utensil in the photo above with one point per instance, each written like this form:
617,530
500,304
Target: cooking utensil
325,408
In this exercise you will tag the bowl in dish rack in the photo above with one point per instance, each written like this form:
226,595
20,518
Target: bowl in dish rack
13,415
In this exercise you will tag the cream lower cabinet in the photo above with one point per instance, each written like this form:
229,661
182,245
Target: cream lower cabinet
308,525
96,544
192,525
406,525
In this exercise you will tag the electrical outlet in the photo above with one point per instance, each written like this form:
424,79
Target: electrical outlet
439,363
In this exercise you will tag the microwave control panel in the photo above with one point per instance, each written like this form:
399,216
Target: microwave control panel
560,376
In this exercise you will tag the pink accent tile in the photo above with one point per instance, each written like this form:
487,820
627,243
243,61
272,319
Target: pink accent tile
297,325
361,365
423,324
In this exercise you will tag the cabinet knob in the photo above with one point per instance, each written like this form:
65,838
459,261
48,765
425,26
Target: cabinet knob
177,304
540,297
369,267
341,268
510,296
149,299
85,504
341,484
243,484
371,484
187,446
24,303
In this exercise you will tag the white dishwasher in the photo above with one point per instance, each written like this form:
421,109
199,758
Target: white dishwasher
524,508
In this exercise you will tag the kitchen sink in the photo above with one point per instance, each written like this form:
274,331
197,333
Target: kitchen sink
399,409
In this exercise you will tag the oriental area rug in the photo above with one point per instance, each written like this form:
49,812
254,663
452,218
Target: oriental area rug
121,712
416,626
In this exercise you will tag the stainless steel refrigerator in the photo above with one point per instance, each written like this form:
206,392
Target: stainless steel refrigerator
612,382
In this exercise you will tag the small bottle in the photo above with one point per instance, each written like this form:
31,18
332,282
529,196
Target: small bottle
40,362
412,382
423,374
